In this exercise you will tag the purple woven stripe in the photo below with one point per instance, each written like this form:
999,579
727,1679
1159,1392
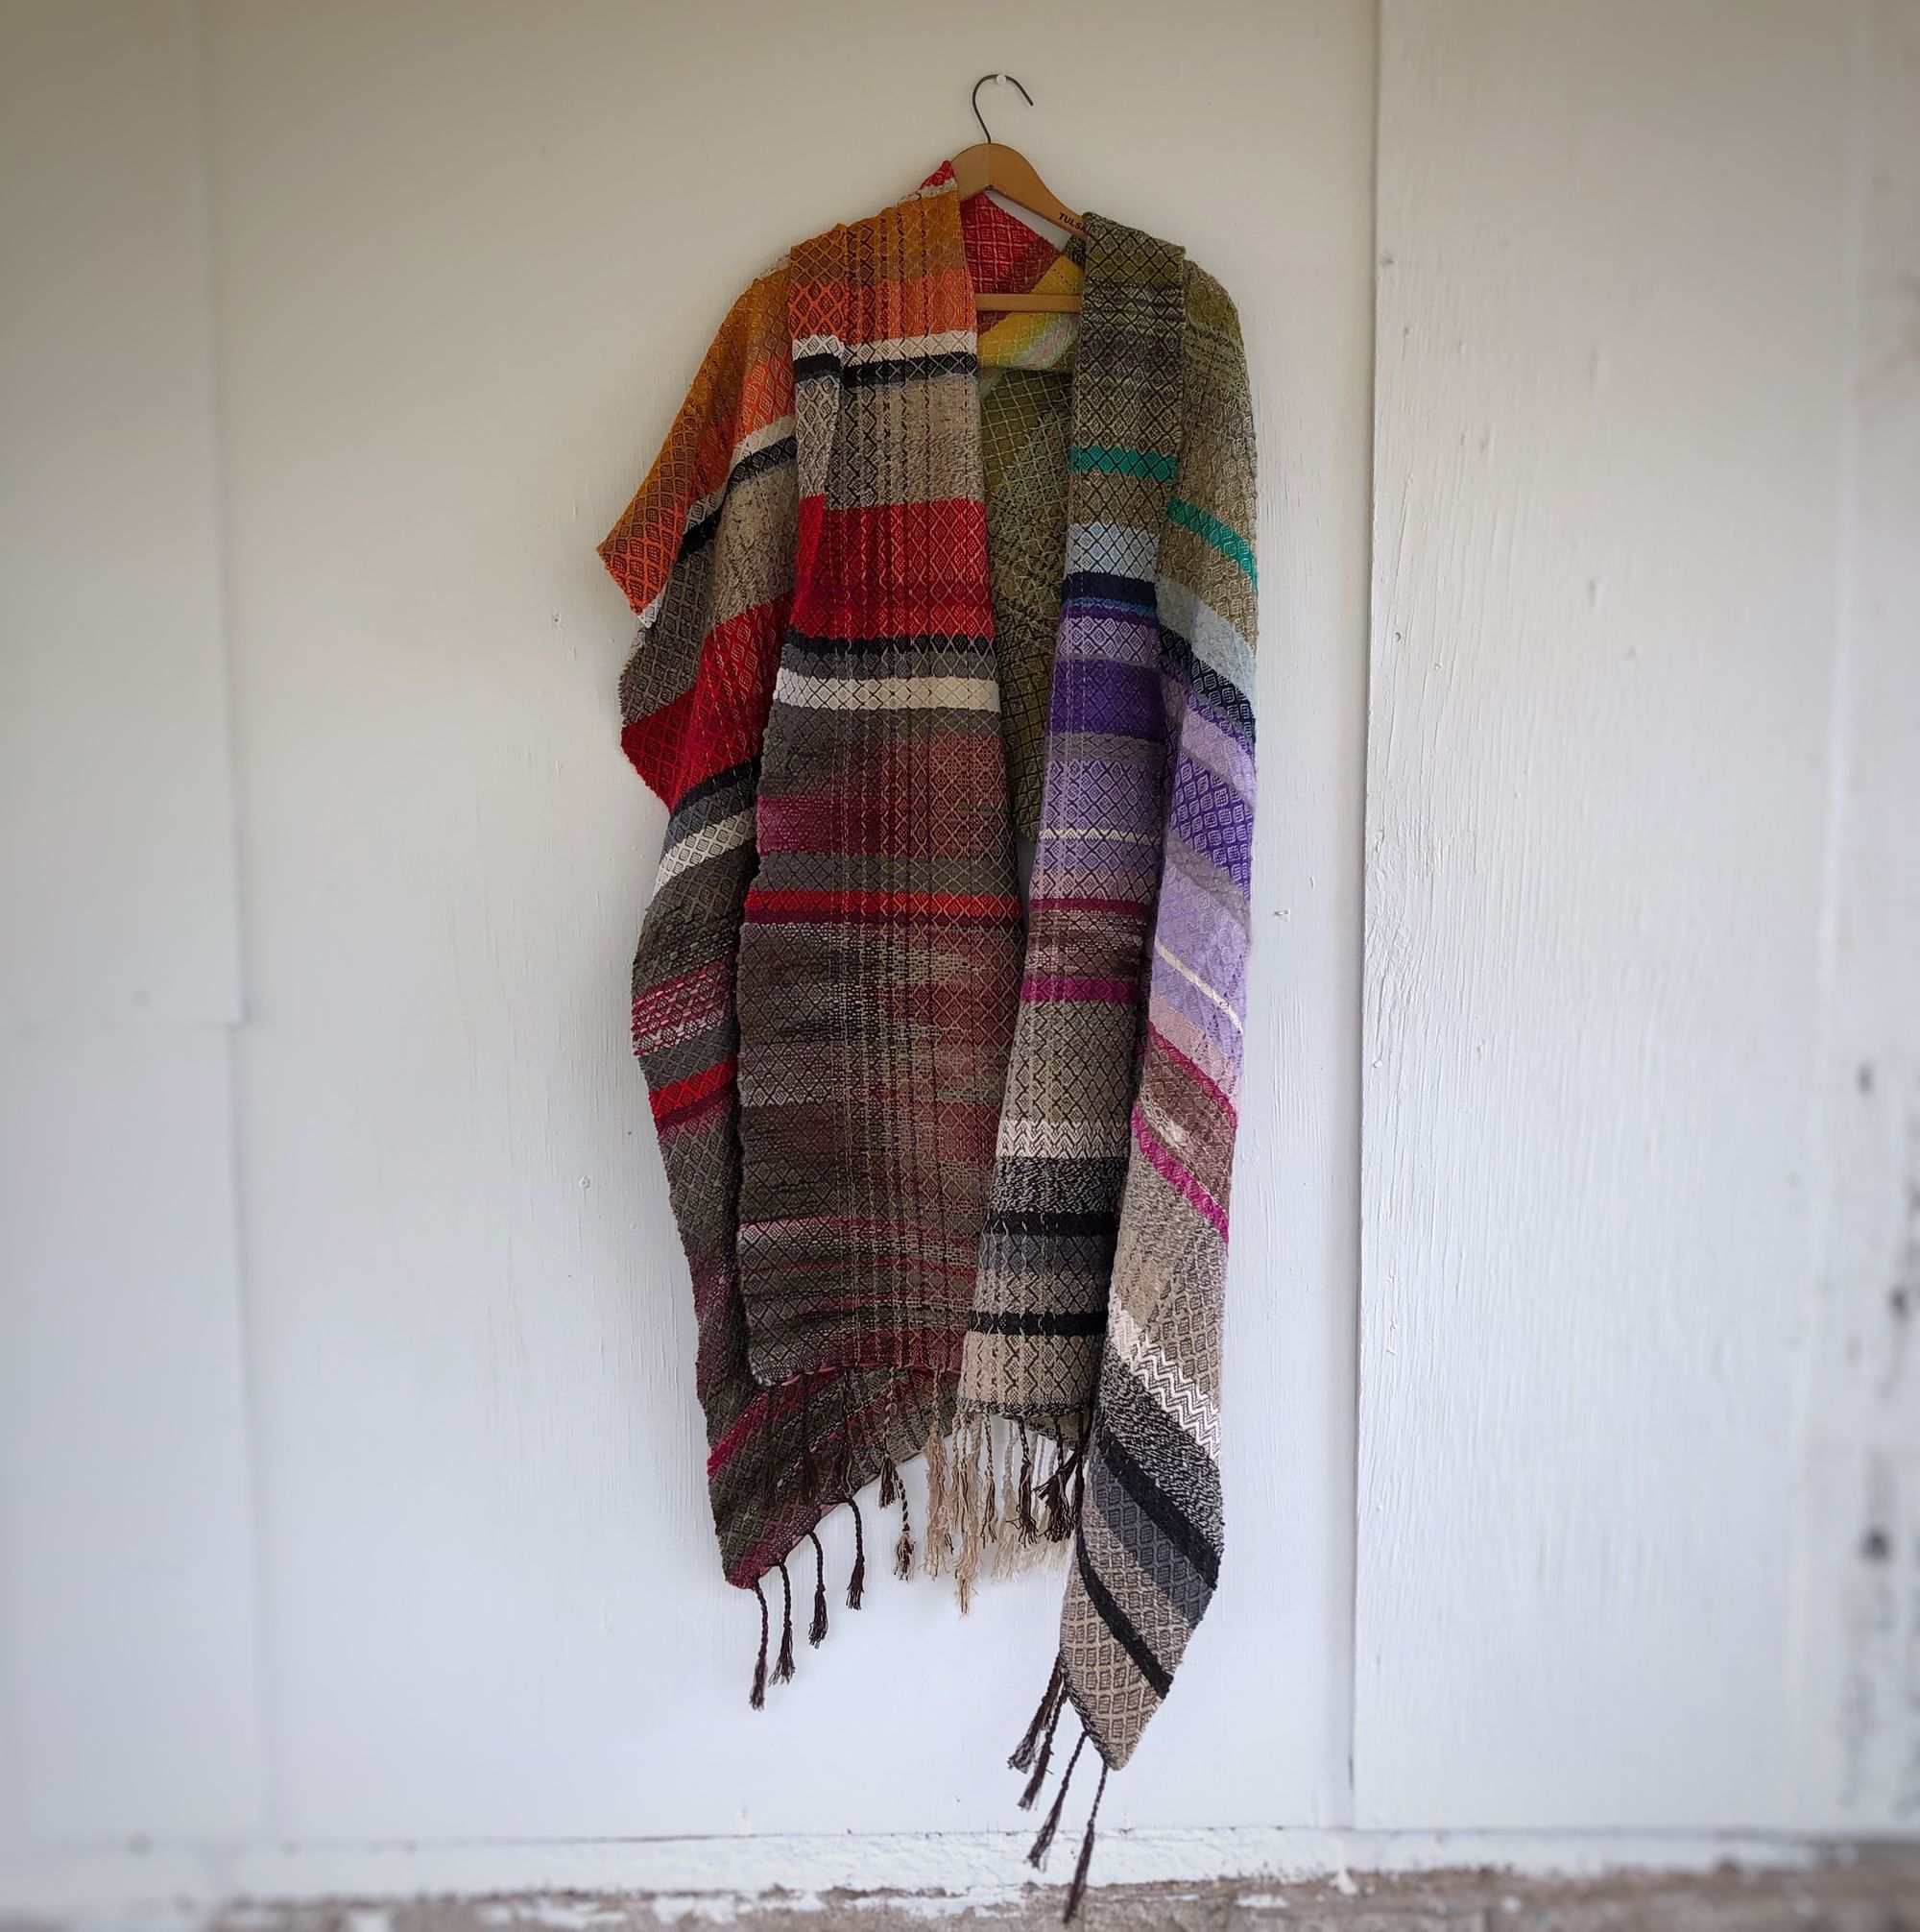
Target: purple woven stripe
1190,928
1109,638
1220,749
1215,820
1117,700
1100,792
1222,721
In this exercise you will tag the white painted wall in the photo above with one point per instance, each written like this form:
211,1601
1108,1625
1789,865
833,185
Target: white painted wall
1608,484
129,1689
350,1473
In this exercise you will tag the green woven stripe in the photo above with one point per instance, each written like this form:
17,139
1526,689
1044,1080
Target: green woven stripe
1123,462
1230,543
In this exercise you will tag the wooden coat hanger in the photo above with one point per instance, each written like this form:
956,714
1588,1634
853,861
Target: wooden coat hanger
991,164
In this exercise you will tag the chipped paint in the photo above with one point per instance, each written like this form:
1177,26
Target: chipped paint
1865,1886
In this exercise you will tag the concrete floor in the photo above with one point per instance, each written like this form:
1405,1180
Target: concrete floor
1867,1890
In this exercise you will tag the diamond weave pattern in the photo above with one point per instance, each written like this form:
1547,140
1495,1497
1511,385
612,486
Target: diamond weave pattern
912,598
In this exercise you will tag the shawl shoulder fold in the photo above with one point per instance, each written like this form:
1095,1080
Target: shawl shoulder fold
1149,1549
814,693
704,554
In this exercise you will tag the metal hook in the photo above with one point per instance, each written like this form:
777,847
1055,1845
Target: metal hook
981,82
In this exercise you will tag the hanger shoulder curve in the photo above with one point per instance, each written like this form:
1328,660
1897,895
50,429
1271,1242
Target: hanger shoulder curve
993,164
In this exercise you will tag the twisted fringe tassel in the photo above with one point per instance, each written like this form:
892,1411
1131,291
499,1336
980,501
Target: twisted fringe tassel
994,1500
817,1631
1037,1783
1043,1842
784,1667
1010,1547
856,1583
1049,1704
939,1506
904,1549
984,1493
758,1695
1029,1530
1078,1891
1040,1733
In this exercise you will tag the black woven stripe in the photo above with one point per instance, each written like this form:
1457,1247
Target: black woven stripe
1029,1321
1157,1505
1116,1622
1177,655
741,777
697,536
1054,1221
1102,586
876,375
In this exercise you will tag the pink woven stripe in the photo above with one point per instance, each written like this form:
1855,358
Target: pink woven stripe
1102,992
1177,1177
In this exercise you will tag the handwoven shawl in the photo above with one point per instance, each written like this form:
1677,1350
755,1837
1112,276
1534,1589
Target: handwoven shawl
922,607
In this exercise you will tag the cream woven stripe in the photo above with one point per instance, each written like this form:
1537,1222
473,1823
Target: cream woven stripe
895,349
1171,1388
708,842
886,694
1063,1140
1198,984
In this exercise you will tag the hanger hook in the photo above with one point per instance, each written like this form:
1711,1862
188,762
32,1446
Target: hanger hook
981,82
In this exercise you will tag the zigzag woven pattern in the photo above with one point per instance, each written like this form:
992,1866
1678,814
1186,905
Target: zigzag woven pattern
945,673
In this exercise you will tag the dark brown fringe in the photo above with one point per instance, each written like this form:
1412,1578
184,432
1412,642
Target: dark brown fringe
856,1583
1043,1843
1078,1891
1037,1783
1029,1530
758,1695
1050,1702
904,1549
890,1486
783,1664
816,1634
1059,1492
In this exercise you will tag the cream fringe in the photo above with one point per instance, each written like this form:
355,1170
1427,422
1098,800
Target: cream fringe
999,1494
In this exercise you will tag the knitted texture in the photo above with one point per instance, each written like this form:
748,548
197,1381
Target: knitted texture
914,602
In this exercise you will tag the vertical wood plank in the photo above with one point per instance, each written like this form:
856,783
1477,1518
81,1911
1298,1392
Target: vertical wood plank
116,828
128,1579
1859,1738
127,1673
1611,341
493,1581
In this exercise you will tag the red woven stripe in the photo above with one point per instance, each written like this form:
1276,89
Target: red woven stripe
652,744
1197,1074
1097,992
672,1101
857,908
1136,906
718,722
1176,1176
894,569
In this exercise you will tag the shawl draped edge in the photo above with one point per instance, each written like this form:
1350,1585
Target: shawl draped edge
1070,1392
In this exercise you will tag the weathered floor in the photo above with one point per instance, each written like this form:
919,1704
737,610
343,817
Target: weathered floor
1871,1889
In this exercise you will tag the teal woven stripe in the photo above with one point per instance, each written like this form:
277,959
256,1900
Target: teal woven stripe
1123,462
1230,543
